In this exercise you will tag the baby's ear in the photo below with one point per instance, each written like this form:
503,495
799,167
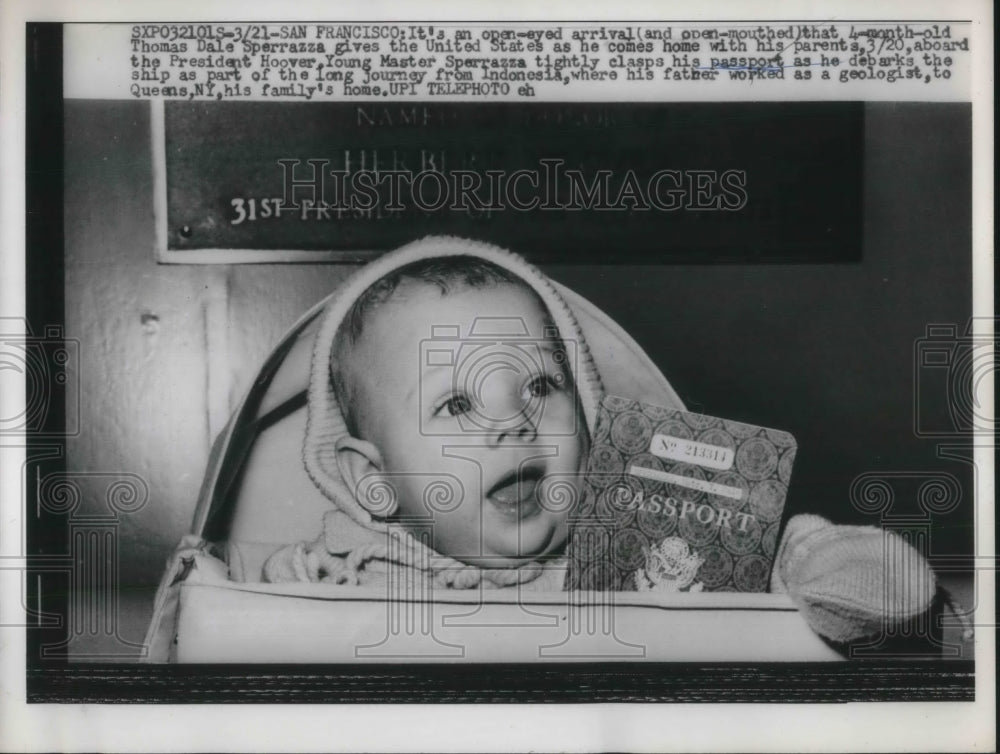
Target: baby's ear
360,465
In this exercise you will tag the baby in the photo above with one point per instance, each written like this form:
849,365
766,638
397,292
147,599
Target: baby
448,423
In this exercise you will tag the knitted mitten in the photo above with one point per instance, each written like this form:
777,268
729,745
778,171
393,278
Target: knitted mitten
850,582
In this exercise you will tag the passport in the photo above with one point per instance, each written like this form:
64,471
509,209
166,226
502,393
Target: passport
675,501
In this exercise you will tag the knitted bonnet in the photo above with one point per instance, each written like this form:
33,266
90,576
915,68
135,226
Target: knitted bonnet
326,423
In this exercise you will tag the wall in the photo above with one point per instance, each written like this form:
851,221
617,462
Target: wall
825,351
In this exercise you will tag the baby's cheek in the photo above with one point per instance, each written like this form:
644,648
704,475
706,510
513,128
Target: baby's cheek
559,495
560,531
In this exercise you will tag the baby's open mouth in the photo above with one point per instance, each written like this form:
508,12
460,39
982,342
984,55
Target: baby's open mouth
515,494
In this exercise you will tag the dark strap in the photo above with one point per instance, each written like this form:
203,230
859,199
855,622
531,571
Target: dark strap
245,431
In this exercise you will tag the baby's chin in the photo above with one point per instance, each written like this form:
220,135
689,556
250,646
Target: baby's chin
529,545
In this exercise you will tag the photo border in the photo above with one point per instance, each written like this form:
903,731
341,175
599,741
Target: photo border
791,683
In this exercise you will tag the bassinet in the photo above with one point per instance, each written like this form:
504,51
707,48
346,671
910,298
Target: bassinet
256,496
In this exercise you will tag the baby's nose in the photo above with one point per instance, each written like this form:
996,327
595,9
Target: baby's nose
504,408
521,428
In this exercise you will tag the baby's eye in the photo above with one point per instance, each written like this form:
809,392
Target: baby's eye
543,385
453,406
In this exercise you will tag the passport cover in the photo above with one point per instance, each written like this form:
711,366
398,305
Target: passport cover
677,501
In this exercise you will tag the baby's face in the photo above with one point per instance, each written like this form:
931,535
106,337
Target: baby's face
501,423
